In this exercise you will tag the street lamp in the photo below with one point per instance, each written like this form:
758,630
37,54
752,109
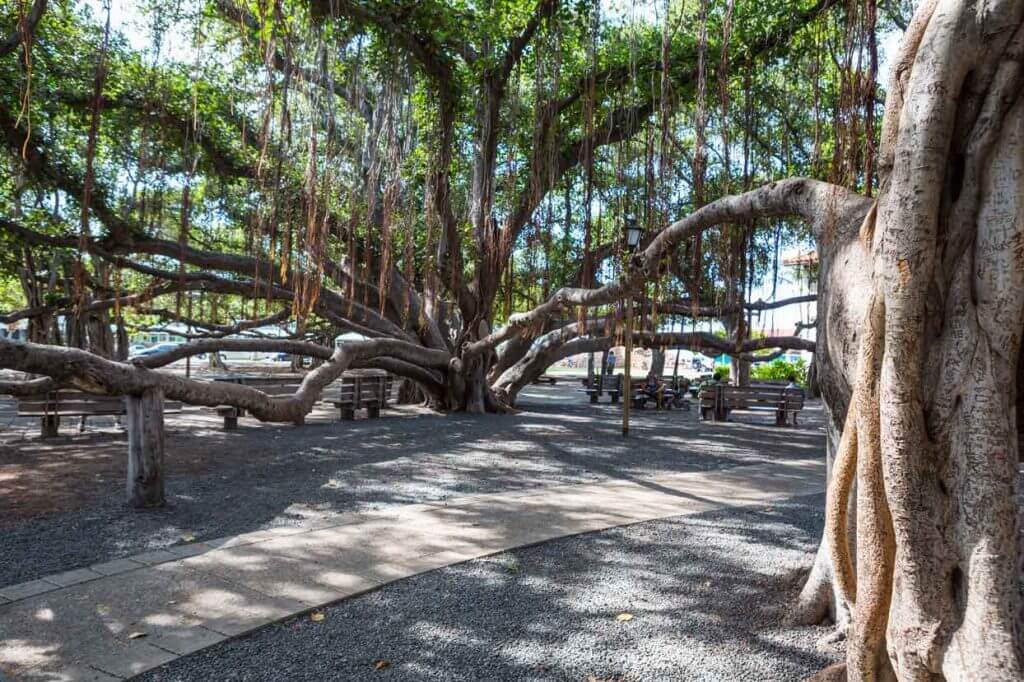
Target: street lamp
633,235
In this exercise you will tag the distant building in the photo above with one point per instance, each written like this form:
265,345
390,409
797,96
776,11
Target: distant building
805,259
16,331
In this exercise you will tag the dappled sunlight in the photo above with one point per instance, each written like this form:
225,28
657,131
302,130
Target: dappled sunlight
20,654
328,511
273,475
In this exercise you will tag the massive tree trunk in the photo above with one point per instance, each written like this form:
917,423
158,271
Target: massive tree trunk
936,589
658,360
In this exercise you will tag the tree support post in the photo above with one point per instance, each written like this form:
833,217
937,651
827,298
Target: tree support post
145,412
627,367
50,426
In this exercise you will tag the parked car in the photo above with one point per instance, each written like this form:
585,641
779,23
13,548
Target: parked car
153,350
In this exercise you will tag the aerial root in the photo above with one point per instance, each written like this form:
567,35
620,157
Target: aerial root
866,589
837,509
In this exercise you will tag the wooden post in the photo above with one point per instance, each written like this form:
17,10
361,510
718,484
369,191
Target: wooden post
50,426
145,485
627,379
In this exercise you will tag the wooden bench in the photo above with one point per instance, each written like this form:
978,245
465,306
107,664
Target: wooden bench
67,402
718,400
604,383
360,389
272,384
676,383
682,389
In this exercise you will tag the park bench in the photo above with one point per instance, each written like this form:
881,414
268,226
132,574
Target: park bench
676,383
360,389
352,391
272,384
604,383
50,407
682,388
718,400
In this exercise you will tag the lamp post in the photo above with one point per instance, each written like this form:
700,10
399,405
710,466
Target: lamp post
633,235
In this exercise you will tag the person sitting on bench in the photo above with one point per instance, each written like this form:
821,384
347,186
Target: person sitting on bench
654,388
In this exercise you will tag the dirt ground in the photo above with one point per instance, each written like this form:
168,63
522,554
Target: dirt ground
62,500
44,476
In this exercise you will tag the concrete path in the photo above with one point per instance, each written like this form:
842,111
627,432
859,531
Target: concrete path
114,620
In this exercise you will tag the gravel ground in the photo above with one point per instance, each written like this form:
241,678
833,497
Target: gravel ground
708,595
268,475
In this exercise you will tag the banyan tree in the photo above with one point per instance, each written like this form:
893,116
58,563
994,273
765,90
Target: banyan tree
451,182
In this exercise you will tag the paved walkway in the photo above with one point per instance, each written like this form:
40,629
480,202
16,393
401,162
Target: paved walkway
113,620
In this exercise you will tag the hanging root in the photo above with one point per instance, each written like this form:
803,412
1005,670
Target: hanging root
865,654
837,506
845,467
867,590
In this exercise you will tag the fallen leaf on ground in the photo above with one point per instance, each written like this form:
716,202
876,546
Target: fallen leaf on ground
188,537
381,664
136,635
316,616
623,617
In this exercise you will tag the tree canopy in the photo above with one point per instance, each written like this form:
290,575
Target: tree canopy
413,171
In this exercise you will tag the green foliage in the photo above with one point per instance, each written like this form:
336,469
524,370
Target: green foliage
781,370
721,373
205,105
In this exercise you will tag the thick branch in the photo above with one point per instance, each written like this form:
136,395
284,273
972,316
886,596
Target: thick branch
91,373
819,203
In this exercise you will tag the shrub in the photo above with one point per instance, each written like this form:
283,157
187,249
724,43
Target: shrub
781,370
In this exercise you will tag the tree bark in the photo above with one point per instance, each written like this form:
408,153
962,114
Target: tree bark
145,448
658,361
938,591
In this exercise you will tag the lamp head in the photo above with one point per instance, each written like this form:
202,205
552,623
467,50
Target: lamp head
634,233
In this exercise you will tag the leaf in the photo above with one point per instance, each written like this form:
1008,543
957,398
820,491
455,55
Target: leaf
381,664
136,635
188,537
316,616
623,617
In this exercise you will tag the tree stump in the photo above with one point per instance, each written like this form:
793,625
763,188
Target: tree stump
145,449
